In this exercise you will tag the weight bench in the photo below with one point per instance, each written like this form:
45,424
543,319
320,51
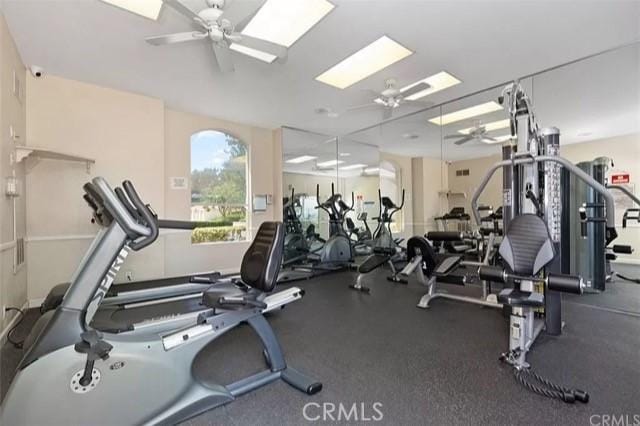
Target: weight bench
433,268
380,257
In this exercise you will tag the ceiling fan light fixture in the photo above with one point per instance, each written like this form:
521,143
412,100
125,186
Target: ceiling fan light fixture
463,114
149,9
498,139
440,81
284,21
365,62
254,53
494,125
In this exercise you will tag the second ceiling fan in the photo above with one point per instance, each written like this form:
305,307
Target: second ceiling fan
221,24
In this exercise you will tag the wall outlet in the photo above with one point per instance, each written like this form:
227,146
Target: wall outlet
129,275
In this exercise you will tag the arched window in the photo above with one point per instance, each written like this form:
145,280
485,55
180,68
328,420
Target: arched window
219,170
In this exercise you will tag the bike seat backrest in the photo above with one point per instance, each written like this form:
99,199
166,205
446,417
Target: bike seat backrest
261,262
429,256
387,203
527,246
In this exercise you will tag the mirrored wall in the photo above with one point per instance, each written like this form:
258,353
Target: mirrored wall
439,155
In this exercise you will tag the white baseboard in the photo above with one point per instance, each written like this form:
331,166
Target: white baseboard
14,320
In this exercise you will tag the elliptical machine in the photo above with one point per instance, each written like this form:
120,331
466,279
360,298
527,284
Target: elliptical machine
386,249
296,247
336,252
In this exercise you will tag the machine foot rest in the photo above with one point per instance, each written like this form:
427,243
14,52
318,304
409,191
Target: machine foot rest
397,280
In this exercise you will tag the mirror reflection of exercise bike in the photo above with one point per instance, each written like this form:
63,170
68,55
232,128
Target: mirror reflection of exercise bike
335,253
386,249
296,246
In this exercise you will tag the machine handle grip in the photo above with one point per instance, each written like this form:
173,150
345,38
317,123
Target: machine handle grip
492,273
622,249
565,283
115,208
125,202
148,217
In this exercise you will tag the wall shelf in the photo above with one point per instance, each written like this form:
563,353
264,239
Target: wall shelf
32,156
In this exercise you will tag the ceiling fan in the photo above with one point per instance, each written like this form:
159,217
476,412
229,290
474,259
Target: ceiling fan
392,97
218,23
477,132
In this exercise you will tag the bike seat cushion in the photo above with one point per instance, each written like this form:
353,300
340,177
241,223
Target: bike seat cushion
261,262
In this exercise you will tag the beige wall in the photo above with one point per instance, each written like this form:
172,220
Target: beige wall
429,180
131,137
624,150
492,195
13,284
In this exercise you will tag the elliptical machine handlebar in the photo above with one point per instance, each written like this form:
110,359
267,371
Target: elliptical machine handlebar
146,214
120,213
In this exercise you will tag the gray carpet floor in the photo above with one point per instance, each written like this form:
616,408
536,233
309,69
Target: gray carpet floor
435,366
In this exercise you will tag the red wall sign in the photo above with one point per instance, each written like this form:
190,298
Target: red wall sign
619,178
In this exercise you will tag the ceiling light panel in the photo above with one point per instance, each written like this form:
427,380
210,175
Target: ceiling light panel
330,163
284,21
494,125
442,80
465,113
148,8
257,54
353,166
365,62
301,159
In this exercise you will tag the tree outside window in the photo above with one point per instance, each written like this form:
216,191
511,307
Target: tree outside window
218,187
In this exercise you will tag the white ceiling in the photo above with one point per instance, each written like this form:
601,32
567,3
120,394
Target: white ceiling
480,42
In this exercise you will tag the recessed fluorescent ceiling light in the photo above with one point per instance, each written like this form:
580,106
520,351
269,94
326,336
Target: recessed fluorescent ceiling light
258,54
301,159
372,170
442,80
330,163
353,166
494,125
285,21
147,8
345,154
365,62
463,114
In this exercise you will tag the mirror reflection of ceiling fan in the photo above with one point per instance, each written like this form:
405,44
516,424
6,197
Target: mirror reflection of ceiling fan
392,97
221,24
478,133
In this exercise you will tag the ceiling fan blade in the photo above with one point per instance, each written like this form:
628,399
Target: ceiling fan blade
387,113
263,46
421,104
416,89
489,139
239,13
453,136
359,107
223,57
175,38
464,140
183,10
